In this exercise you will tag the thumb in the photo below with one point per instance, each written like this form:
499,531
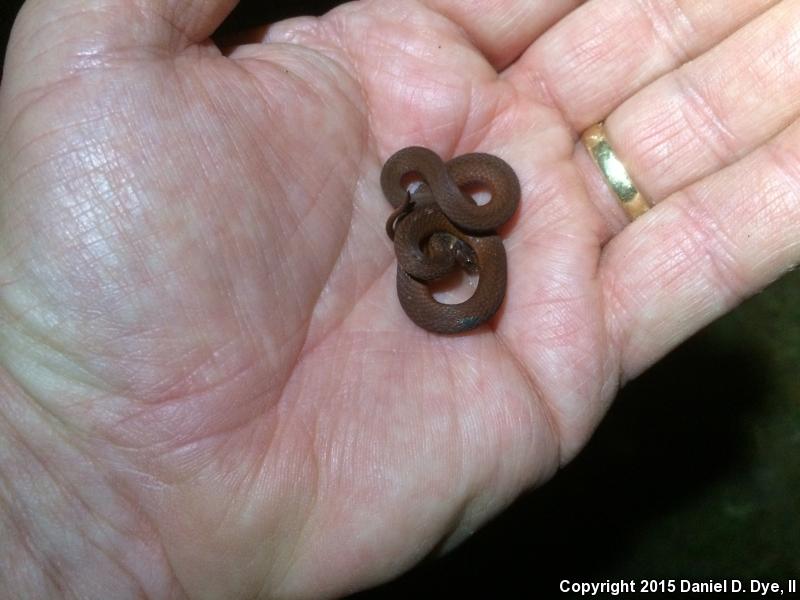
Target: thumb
52,39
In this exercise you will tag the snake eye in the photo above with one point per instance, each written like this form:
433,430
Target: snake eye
465,256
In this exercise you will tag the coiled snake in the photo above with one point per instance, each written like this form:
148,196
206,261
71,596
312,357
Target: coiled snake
438,228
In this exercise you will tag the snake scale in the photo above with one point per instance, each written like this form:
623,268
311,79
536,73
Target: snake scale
439,228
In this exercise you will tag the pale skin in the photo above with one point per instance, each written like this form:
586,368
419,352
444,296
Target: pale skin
207,386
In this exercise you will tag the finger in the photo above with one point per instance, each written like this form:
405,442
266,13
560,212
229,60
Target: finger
702,251
503,29
715,109
74,34
607,50
55,41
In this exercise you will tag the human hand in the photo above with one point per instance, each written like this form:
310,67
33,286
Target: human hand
208,386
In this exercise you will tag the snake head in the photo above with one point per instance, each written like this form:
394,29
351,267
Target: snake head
446,247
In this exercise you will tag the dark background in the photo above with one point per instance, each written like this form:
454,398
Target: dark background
694,474
8,8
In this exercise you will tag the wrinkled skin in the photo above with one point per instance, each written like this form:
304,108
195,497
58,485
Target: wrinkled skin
207,386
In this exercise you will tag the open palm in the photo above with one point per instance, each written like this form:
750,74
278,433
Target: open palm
200,329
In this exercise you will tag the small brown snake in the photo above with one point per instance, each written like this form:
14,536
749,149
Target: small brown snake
438,228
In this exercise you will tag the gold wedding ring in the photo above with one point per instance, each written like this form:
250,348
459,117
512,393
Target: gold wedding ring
614,172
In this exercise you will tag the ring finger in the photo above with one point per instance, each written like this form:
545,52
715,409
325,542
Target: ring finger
710,112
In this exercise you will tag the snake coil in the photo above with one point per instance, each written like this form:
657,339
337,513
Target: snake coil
439,228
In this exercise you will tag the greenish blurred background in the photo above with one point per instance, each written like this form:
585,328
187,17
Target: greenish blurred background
694,474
